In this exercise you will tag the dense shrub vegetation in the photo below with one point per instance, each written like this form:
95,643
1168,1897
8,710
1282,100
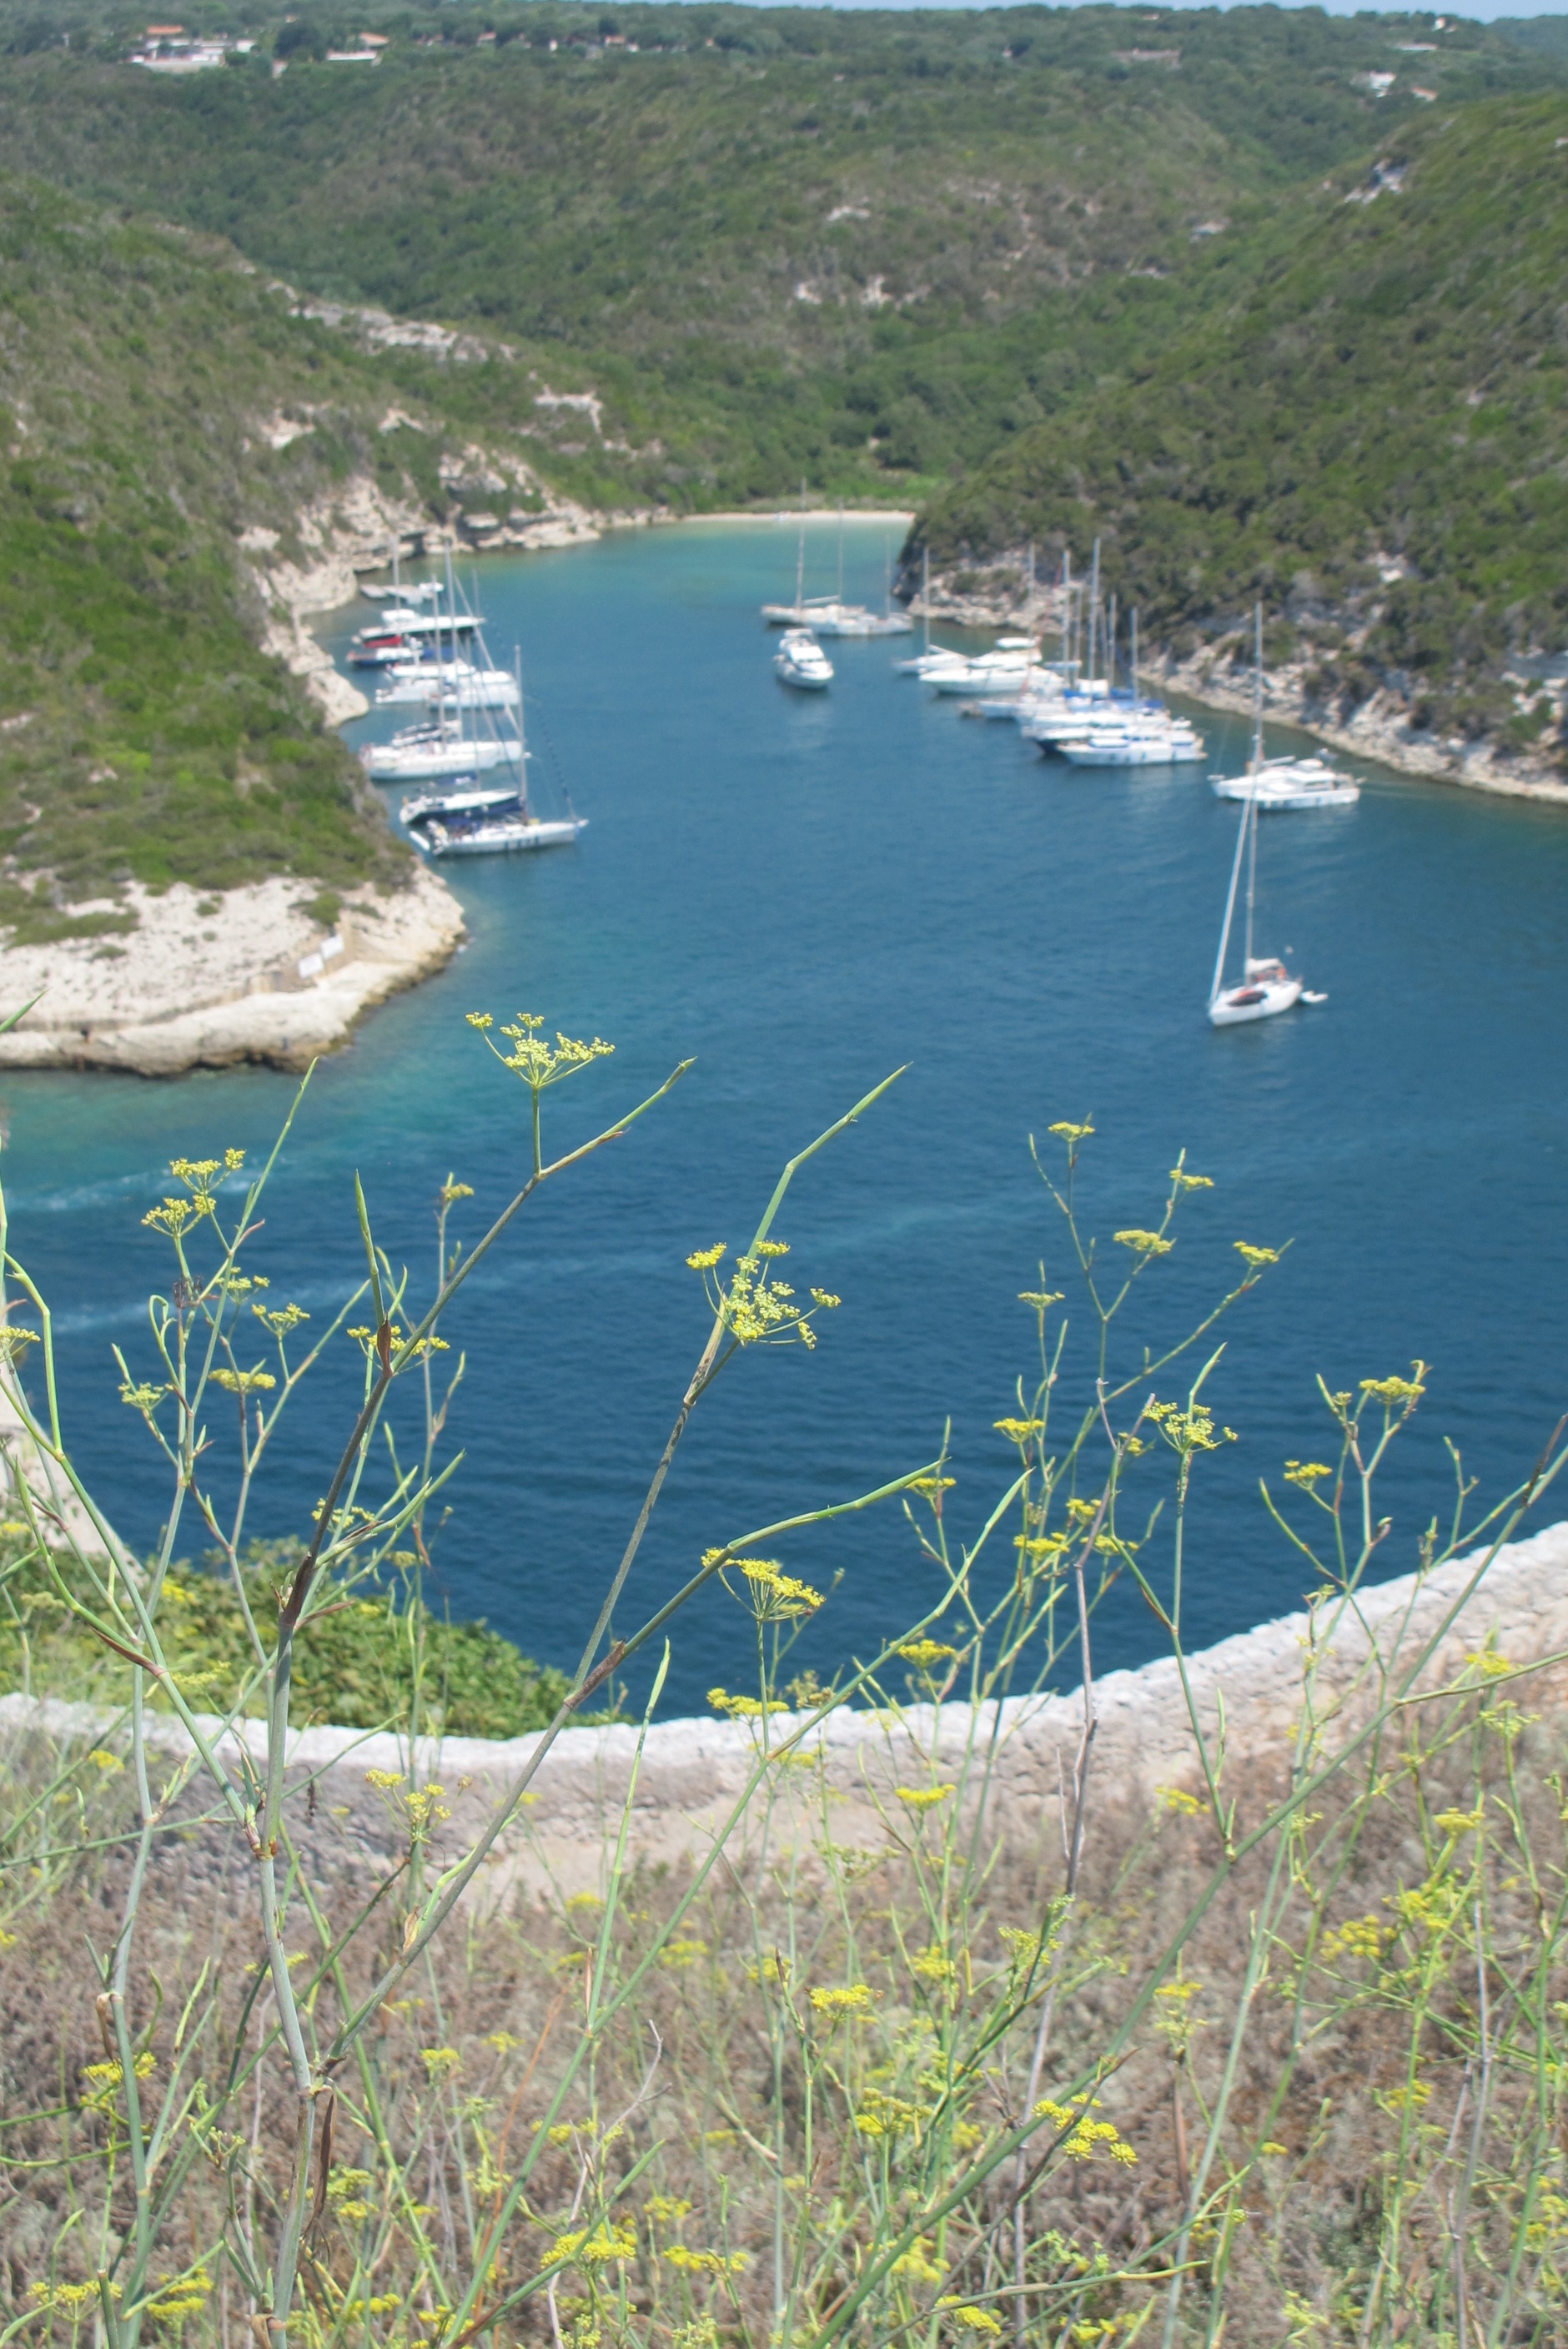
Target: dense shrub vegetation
1043,272
882,2052
379,1657
1365,423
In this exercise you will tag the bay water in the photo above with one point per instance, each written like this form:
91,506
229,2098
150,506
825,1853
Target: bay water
802,894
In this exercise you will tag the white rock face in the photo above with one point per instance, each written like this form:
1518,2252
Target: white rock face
191,989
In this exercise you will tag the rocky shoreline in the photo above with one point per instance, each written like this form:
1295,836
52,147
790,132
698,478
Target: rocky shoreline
1378,729
207,981
210,978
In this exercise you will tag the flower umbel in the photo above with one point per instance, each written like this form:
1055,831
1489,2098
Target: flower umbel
754,1305
773,1596
538,1063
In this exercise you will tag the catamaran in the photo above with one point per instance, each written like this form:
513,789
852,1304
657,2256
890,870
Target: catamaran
1283,783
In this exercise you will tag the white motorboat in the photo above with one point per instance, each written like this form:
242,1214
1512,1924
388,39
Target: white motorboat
1138,742
1279,784
1276,784
801,662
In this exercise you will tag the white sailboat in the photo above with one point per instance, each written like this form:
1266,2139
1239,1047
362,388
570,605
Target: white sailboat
921,660
471,820
1137,741
1281,785
1135,734
829,615
452,684
1266,987
419,754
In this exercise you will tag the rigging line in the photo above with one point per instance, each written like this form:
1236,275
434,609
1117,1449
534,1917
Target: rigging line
541,726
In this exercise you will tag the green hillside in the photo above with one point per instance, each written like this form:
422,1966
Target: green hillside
1370,389
142,733
864,247
1042,272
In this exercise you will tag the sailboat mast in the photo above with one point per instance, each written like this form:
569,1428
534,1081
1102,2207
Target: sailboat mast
925,595
1110,650
452,617
800,558
1258,688
840,554
1252,877
1135,656
1066,605
1093,606
522,731
1230,910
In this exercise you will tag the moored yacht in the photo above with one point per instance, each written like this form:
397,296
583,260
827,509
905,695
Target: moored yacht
1007,669
801,662
1279,784
471,820
829,615
1140,740
417,754
403,632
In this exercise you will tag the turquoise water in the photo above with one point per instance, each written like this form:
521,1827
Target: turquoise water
805,894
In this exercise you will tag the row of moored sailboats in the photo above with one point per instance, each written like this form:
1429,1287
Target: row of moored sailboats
1073,708
469,750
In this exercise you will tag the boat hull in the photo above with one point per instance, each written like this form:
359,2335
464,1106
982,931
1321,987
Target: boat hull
1281,799
1176,754
501,838
831,618
1234,1006
388,763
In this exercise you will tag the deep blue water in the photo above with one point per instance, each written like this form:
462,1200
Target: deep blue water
806,894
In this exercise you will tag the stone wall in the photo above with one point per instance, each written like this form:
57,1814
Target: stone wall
693,1773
